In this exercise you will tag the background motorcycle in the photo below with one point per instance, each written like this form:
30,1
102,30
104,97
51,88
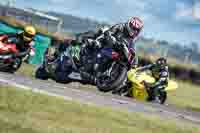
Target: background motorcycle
10,57
59,66
137,89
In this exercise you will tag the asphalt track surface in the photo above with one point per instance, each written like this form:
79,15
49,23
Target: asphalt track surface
73,92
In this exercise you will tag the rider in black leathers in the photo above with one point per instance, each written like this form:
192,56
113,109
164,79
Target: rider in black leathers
119,36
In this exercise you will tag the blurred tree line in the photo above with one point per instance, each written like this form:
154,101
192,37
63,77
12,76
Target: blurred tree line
187,53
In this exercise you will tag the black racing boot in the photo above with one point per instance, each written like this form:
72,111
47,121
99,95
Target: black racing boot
151,93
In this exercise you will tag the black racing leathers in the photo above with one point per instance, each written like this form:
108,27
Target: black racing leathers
116,37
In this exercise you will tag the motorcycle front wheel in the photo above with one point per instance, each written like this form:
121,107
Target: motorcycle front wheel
116,78
12,68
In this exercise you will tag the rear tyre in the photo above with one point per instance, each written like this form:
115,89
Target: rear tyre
63,69
61,77
41,73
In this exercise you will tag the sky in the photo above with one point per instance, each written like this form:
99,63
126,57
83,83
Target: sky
172,20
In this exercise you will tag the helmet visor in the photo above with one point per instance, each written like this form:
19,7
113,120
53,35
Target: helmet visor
161,63
27,35
133,31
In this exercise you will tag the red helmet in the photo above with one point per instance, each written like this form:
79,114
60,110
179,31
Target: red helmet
134,26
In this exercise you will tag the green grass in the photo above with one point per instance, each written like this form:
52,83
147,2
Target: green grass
186,96
27,70
26,112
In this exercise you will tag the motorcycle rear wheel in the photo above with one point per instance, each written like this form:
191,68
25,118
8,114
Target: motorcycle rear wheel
41,74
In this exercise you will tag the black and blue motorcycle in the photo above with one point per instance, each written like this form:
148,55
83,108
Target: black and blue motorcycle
110,73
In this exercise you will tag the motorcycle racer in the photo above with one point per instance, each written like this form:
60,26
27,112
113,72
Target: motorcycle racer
24,40
120,36
160,72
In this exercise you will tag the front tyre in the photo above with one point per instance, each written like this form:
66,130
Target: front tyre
12,68
116,79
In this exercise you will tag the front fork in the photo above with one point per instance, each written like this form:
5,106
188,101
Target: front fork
106,73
